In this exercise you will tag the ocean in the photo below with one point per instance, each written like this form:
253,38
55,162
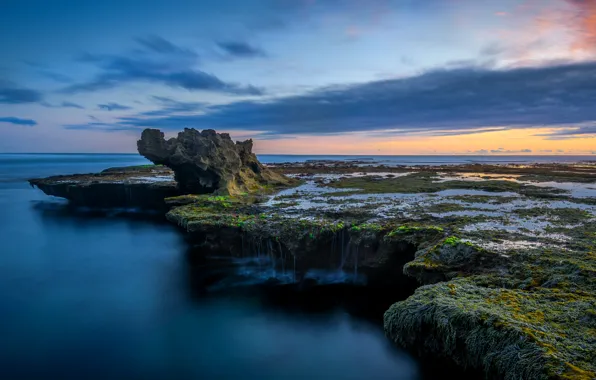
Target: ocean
428,160
96,296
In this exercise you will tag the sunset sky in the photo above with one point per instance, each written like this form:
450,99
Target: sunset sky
302,76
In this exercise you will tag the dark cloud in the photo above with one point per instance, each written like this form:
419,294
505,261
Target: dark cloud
44,70
583,130
63,105
57,77
96,126
160,45
467,132
159,61
11,94
72,105
113,107
437,102
171,107
18,121
239,49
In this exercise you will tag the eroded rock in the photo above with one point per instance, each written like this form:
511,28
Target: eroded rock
129,187
207,162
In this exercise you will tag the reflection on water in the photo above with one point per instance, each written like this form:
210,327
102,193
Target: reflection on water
89,295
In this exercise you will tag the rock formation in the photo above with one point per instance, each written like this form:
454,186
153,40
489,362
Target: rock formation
207,162
142,187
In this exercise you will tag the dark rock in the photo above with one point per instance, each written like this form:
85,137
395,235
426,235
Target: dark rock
207,162
131,187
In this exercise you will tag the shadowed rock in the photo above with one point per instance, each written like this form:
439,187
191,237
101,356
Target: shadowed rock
142,187
207,162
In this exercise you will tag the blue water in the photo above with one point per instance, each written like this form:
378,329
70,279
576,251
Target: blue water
428,160
86,296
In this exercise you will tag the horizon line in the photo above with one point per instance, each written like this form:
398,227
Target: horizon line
338,155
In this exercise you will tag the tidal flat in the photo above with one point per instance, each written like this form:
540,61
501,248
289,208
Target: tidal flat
498,262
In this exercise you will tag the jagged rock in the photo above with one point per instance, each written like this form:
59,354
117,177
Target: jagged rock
206,161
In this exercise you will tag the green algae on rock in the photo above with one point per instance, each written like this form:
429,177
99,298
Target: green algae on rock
509,333
527,315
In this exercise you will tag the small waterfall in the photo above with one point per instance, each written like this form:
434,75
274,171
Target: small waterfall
342,249
356,262
283,258
345,252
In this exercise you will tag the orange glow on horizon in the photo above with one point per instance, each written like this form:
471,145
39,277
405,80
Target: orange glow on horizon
511,142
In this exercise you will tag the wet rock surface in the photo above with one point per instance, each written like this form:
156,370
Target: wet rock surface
207,161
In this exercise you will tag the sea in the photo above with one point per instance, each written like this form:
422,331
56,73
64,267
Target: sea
88,295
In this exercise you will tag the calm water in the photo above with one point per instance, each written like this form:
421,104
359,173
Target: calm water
429,160
106,297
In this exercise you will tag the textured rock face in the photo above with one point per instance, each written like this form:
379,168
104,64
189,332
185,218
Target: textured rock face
206,161
129,187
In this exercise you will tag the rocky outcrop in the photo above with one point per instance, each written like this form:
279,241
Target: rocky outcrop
130,187
208,162
520,316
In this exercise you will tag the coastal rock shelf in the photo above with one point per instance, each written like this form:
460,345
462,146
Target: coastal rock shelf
143,187
505,263
492,267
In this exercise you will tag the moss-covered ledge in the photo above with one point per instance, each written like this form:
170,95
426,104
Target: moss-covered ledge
509,333
527,317
243,227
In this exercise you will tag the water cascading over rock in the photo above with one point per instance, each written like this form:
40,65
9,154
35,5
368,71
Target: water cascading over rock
207,161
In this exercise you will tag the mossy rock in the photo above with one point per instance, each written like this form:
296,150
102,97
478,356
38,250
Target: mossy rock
510,333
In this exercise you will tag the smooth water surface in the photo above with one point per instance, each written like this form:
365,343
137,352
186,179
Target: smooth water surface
86,296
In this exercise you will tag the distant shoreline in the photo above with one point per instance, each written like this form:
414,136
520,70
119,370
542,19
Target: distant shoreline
387,160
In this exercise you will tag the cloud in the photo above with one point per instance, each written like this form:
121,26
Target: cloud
63,105
480,151
18,121
584,24
72,105
157,61
43,70
583,130
437,102
160,45
113,107
238,49
11,94
171,107
97,127
57,77
507,151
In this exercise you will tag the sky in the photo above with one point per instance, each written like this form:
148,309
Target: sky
385,77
